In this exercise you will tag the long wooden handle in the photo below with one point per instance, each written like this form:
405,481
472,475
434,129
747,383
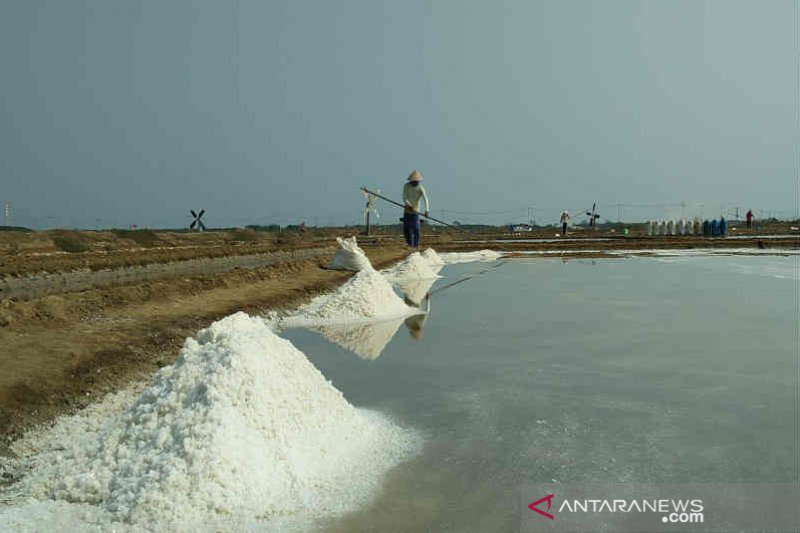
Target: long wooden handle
403,206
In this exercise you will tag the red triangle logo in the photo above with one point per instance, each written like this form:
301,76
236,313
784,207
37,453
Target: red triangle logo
535,509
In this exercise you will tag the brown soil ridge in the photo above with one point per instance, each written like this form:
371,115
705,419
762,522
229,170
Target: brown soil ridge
42,284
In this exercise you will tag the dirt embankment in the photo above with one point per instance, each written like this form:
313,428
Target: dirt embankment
26,253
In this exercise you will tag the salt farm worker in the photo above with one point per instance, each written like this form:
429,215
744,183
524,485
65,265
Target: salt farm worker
413,192
749,217
564,222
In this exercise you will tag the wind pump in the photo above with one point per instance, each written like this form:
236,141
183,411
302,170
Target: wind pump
197,223
593,216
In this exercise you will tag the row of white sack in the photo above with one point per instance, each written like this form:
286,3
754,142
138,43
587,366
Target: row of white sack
675,227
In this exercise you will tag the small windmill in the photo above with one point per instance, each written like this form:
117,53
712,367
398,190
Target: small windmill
368,209
593,216
197,223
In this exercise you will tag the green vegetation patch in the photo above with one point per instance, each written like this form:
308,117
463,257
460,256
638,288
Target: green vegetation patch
69,241
143,237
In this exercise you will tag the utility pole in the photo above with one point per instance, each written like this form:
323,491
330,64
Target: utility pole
368,211
530,220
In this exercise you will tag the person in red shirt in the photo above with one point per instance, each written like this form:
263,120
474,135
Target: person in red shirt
749,217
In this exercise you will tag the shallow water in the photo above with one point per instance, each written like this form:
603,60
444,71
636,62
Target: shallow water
625,370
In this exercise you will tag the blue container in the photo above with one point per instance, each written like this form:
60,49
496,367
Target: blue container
714,228
706,228
723,227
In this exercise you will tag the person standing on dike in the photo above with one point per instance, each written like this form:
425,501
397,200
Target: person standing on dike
413,192
564,219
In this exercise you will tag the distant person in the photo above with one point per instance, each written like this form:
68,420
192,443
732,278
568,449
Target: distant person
413,192
564,221
749,217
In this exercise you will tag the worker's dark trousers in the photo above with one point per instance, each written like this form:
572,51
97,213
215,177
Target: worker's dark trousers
411,229
564,228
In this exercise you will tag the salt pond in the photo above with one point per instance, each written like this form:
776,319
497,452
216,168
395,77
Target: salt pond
637,369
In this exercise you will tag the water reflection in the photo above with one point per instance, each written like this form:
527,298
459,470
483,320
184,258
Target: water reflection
365,340
417,294
368,340
416,323
414,291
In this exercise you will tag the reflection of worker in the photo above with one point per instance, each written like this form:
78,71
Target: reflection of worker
564,221
413,192
416,323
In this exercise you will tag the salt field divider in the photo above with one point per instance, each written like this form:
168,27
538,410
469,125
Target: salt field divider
42,284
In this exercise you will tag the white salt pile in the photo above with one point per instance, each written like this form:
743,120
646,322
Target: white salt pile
367,296
349,256
413,267
470,257
432,257
242,428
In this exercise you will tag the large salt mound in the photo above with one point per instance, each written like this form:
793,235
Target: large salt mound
413,267
241,427
349,256
367,296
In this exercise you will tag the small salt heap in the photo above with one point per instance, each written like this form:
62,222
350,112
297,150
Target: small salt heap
367,296
415,266
349,256
241,428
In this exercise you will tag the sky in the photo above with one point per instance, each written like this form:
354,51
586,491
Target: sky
120,112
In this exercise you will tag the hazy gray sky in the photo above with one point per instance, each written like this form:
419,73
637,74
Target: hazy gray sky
276,111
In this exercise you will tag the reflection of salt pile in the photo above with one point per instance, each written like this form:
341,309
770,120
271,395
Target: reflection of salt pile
366,340
414,290
469,257
432,257
413,267
349,256
242,425
365,296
